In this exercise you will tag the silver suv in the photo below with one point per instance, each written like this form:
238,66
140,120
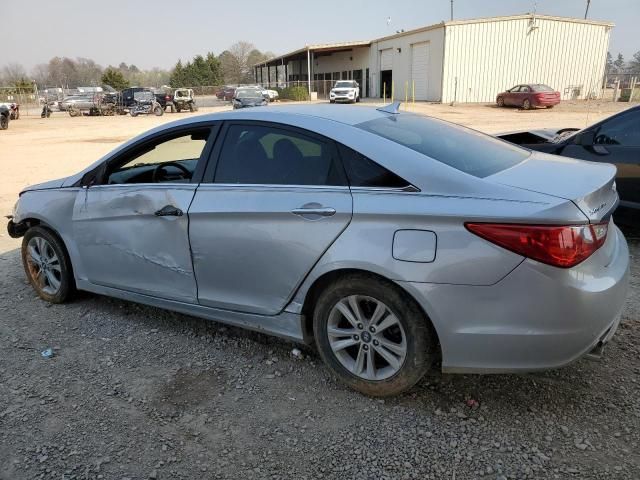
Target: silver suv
345,91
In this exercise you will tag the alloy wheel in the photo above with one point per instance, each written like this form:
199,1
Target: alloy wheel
366,337
44,265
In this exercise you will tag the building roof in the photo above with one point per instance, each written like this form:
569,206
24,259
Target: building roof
524,16
318,47
364,43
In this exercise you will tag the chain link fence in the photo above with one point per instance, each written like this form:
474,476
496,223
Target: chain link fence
26,98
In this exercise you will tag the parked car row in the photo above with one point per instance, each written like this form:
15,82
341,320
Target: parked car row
228,93
129,100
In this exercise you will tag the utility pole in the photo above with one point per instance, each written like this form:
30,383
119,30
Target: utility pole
452,10
586,12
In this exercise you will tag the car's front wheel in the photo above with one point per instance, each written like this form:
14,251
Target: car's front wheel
500,102
4,122
47,265
372,335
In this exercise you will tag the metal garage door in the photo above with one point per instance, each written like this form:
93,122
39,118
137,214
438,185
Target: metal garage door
386,59
419,62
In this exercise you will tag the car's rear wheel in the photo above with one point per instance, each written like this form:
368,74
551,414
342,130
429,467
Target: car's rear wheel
549,106
158,111
526,105
500,102
47,265
372,335
4,122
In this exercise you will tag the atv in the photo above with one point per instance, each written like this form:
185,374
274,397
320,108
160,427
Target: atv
183,99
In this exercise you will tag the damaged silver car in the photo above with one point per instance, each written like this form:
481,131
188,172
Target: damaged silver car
394,242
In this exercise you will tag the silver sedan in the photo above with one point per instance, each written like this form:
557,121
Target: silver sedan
394,242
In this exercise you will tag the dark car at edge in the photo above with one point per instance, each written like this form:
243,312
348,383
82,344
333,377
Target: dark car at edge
615,140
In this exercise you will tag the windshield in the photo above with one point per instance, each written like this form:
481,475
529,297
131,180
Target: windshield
344,85
464,149
248,94
542,88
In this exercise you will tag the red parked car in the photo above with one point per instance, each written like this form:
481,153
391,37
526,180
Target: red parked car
529,95
226,93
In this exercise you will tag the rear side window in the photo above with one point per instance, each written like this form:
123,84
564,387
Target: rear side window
363,172
265,155
464,149
542,88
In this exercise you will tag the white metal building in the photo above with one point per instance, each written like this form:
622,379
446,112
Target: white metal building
462,61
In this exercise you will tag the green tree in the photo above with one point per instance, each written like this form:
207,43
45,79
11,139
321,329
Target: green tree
201,71
114,78
609,68
619,63
634,65
177,75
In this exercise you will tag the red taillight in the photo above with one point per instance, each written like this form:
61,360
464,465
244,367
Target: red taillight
560,246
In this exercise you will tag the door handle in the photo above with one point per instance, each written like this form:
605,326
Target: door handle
169,211
321,211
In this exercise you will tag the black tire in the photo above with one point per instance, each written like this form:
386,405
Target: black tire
420,341
192,107
133,114
4,122
158,111
526,104
500,102
332,101
549,106
358,99
178,108
67,283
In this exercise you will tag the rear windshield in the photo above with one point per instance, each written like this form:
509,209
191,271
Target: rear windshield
542,88
464,149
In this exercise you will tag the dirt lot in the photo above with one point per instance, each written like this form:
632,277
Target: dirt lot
136,392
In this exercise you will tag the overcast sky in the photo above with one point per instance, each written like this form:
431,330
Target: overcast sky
158,32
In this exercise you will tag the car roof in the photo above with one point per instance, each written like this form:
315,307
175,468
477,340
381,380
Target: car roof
347,114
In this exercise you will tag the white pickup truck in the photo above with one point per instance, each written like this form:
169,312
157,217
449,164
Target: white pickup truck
345,91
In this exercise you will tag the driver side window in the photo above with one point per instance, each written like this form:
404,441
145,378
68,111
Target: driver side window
169,160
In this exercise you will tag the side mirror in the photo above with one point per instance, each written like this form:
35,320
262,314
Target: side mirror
94,177
585,139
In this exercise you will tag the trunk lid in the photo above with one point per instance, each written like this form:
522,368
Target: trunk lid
589,185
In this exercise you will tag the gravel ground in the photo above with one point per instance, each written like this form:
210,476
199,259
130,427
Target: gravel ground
134,393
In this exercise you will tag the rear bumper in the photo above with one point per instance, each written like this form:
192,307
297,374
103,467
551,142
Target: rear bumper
538,317
544,102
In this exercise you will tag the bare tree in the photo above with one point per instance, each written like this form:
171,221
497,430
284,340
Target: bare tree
40,74
238,61
13,73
